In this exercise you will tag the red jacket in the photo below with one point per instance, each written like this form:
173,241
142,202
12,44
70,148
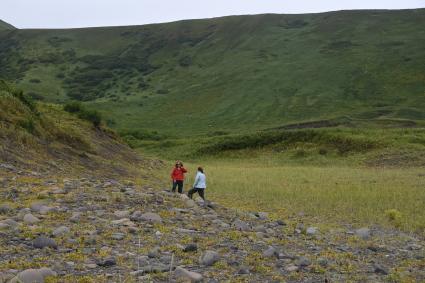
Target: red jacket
178,174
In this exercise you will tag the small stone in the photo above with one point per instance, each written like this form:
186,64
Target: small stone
303,262
209,258
75,217
322,261
262,215
190,203
311,231
190,248
153,253
133,230
60,231
271,251
260,228
414,247
107,262
30,219
299,228
291,268
380,269
184,274
154,268
36,206
243,270
45,209
240,225
363,233
44,242
91,265
151,217
5,208
58,191
118,236
122,214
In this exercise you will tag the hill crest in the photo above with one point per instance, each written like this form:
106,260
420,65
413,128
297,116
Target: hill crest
5,26
230,73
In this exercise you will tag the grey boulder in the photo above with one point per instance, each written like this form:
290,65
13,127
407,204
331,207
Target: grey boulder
30,219
151,217
209,258
44,242
60,231
184,274
33,275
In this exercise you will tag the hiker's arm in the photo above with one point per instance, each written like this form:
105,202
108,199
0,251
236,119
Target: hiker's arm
196,180
184,170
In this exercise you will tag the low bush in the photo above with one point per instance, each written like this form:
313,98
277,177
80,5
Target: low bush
92,116
343,143
141,135
28,125
72,107
35,81
19,94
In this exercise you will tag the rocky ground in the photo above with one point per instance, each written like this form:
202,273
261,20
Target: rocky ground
104,230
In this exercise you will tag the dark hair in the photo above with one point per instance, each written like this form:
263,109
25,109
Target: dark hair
200,169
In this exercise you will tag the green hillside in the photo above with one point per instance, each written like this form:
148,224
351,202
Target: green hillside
45,138
5,26
230,74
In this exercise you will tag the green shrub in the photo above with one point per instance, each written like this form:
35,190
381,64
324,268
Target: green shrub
19,94
28,125
141,135
25,99
35,81
73,107
394,216
91,116
86,114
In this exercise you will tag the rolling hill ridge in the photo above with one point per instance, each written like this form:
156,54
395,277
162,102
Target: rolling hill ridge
230,74
5,26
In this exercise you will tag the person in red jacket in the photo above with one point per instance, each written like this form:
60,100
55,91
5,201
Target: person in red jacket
178,177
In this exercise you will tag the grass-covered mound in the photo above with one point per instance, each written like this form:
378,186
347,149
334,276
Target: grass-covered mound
45,137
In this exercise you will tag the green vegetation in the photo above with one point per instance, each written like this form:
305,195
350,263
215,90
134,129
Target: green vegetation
45,136
232,74
90,115
5,26
326,195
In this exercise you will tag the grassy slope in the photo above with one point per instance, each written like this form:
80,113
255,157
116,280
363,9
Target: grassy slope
237,73
44,138
5,26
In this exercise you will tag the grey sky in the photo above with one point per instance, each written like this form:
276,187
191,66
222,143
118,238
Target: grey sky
83,13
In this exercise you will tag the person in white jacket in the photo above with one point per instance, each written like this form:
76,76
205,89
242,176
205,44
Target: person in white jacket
199,185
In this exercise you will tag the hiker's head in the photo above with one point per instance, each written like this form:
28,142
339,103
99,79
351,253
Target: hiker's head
179,164
200,169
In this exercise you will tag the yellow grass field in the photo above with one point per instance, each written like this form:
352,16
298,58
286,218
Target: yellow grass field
328,195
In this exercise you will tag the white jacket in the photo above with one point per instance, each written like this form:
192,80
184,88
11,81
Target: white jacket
200,181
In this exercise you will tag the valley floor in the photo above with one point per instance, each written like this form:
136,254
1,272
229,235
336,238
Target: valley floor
391,197
94,229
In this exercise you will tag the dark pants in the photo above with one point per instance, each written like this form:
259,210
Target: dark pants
179,185
200,191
